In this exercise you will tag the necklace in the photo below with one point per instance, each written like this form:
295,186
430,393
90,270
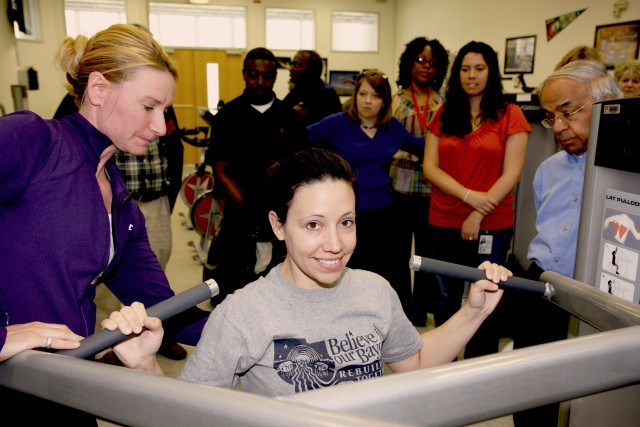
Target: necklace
367,127
421,112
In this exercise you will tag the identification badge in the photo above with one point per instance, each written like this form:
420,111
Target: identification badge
486,242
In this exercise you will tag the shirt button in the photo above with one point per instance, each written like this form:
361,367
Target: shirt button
556,259
565,228
581,168
575,199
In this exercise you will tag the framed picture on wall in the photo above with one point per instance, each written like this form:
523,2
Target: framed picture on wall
344,82
617,42
519,55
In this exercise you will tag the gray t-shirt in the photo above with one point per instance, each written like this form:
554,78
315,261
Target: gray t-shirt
279,339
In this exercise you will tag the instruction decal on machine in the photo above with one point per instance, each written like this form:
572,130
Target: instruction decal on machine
620,245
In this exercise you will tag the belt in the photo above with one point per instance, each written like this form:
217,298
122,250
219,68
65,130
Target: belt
147,197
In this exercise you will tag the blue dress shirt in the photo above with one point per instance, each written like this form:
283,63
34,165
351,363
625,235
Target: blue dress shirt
558,186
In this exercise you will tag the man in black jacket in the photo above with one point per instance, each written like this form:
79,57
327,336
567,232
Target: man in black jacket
252,130
311,97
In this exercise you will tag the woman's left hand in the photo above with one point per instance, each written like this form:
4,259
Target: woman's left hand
471,226
485,294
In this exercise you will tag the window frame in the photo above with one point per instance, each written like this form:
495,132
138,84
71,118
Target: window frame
341,42
76,13
31,14
301,38
237,25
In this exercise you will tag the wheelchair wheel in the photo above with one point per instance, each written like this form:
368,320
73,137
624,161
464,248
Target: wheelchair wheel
193,186
206,215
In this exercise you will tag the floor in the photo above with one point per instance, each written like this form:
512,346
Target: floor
185,271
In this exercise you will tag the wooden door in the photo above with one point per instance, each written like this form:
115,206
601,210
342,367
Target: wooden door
191,89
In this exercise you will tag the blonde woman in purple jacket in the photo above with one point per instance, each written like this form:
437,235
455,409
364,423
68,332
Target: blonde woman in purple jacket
67,221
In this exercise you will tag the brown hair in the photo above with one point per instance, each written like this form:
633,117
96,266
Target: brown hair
380,83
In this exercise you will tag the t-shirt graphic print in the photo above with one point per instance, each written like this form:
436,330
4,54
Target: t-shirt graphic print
309,366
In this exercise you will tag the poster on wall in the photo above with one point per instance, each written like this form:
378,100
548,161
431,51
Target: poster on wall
620,246
559,23
617,42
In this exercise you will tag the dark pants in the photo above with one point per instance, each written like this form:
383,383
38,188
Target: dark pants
232,253
536,321
447,245
412,228
377,249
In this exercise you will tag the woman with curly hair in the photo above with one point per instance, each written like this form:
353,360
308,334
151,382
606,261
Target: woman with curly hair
422,69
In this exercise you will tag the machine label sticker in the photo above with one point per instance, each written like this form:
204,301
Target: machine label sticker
611,109
620,246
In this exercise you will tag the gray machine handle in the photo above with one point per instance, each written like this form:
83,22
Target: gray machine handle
434,266
164,310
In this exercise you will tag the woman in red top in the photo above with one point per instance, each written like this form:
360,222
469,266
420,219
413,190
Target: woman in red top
474,153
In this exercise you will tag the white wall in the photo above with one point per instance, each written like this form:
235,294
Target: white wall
40,56
456,22
453,22
8,59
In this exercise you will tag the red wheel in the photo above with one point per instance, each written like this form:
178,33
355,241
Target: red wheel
206,214
193,186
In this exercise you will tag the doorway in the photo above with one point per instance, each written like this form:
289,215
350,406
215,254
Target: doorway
192,87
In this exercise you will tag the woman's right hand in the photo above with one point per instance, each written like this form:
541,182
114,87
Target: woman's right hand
485,294
27,336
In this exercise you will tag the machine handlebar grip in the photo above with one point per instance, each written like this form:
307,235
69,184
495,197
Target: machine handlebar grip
434,266
164,310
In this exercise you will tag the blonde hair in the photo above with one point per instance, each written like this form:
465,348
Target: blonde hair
579,52
116,52
632,66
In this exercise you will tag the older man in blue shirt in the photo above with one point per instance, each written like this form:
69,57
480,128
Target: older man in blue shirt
567,96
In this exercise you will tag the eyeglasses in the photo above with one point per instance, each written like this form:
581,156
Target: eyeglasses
424,61
562,117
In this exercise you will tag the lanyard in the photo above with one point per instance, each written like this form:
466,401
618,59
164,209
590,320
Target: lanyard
422,117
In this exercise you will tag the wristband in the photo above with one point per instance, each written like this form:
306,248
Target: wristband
464,199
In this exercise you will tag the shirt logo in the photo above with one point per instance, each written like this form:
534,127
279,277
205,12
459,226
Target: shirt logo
308,366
